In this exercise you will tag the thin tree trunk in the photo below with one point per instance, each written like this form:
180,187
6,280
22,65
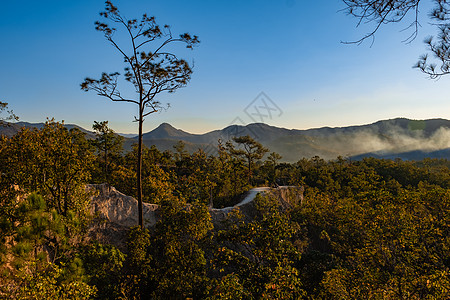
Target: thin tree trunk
106,163
139,173
249,171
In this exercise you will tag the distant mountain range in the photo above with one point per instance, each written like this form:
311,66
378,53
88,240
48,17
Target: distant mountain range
13,128
396,138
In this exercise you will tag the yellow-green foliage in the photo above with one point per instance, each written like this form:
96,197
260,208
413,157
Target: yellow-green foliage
52,161
46,281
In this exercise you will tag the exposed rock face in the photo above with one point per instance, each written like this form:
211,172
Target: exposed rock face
113,206
246,206
115,212
287,196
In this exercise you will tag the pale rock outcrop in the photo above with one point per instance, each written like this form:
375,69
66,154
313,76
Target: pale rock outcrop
110,204
114,212
287,196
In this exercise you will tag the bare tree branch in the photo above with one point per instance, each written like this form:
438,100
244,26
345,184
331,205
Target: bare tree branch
382,12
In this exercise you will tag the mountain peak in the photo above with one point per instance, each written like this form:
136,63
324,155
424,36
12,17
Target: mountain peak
165,131
165,125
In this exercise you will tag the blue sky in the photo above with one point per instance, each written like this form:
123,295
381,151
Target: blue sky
290,50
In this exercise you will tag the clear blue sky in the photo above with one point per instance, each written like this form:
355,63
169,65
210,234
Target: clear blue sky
289,49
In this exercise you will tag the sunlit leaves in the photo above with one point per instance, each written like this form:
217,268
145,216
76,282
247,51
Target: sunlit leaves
47,282
385,239
52,161
109,147
103,265
261,252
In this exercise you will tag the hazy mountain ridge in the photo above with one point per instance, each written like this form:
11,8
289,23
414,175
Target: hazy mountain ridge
394,138
401,137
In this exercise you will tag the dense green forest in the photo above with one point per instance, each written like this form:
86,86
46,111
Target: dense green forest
369,229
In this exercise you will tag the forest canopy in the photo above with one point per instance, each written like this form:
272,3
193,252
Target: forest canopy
365,229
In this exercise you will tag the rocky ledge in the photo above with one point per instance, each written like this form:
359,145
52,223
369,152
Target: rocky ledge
115,212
